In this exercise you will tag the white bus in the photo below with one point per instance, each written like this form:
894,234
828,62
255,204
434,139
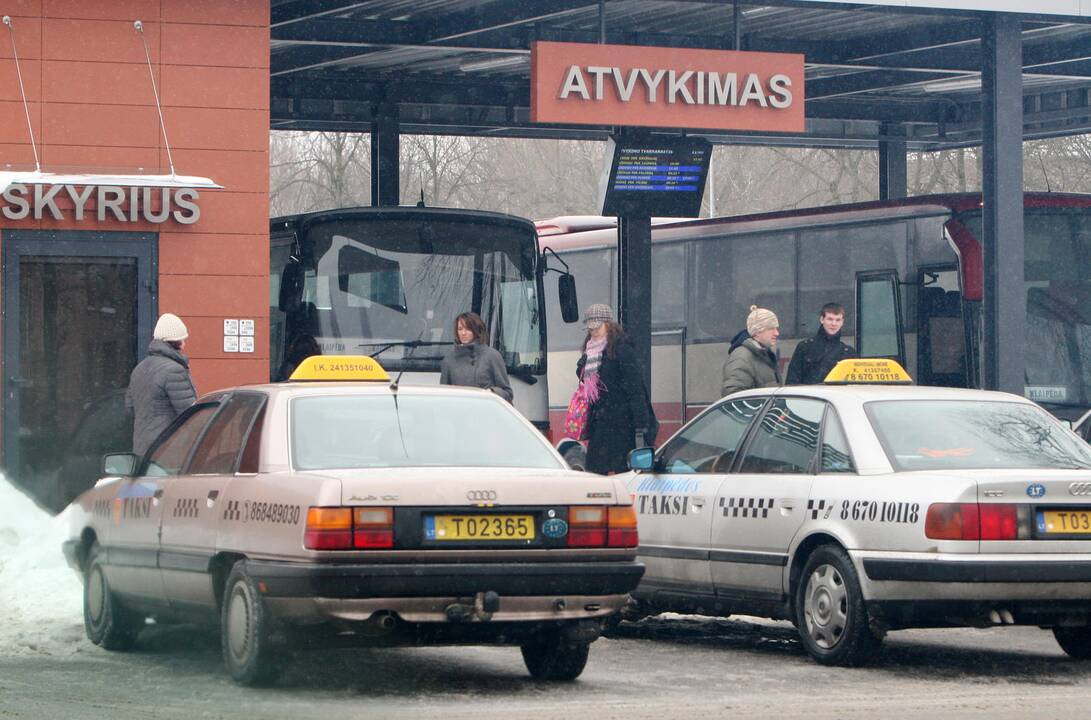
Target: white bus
389,282
909,273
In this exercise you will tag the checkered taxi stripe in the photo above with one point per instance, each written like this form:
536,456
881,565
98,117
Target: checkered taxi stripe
746,507
186,508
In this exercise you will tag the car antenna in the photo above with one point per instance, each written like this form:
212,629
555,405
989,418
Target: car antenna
420,203
408,356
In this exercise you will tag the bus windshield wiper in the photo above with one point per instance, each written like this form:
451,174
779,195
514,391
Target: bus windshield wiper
405,344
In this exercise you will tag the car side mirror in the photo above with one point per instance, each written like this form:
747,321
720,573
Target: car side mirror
123,464
642,459
292,281
566,292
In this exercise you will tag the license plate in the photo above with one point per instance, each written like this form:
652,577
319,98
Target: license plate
1064,522
479,527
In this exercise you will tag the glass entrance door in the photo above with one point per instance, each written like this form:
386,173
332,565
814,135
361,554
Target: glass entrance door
77,307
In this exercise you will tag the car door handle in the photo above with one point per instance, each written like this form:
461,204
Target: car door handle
213,494
788,504
697,502
158,494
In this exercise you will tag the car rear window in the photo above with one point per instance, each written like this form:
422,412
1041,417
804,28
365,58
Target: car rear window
373,431
961,435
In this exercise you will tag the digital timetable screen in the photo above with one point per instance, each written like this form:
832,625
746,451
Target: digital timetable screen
660,178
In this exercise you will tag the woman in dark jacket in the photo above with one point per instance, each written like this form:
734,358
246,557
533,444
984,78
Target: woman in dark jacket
614,383
472,361
160,386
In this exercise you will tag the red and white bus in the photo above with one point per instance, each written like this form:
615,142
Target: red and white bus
909,273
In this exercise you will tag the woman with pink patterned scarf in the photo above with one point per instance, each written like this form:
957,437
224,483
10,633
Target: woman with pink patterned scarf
614,385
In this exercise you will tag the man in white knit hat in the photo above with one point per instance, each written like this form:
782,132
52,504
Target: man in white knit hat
160,386
753,364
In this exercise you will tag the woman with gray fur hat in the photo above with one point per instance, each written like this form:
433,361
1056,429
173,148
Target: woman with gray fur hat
610,373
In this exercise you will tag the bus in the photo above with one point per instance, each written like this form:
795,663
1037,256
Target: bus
389,281
909,273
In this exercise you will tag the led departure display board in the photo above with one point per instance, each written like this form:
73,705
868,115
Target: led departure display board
656,178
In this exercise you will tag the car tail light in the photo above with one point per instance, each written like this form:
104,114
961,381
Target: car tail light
621,526
602,526
587,526
345,528
373,527
971,521
328,529
999,521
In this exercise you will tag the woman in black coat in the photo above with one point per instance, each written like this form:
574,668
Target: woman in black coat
609,369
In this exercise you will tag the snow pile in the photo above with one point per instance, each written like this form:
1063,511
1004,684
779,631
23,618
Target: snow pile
41,598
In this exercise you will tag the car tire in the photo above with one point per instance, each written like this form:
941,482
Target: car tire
108,623
245,630
830,613
1075,641
554,658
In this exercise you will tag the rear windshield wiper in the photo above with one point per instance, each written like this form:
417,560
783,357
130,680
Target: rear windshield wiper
383,347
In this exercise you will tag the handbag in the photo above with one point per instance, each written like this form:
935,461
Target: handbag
575,420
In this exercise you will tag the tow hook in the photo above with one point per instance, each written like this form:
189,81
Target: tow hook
484,605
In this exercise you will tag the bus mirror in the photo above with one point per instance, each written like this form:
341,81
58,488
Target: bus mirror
291,286
566,291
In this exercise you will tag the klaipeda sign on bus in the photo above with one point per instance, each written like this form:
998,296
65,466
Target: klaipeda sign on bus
586,84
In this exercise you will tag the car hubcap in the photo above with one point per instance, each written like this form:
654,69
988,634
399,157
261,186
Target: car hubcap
825,606
238,623
96,595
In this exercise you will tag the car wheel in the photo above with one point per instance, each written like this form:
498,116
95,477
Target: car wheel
830,612
108,623
551,656
245,630
1076,641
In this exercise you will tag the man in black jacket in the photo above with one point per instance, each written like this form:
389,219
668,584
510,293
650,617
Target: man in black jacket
815,357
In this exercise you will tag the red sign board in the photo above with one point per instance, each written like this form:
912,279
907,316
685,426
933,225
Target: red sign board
585,84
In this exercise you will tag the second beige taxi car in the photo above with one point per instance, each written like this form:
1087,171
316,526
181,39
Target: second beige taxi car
355,509
855,509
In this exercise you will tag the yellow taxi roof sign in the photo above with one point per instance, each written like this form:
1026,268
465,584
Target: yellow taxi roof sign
873,371
339,367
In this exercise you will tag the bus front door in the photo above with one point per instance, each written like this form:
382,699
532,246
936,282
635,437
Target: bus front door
941,333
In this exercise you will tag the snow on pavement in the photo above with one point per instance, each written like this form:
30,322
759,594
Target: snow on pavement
41,598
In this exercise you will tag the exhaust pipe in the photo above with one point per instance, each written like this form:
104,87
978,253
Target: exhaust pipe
1005,615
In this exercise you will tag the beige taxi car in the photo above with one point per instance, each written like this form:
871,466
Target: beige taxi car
340,504
867,505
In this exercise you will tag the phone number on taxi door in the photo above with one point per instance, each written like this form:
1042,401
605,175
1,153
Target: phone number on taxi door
271,512
873,510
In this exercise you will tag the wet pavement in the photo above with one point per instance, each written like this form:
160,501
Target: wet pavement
663,667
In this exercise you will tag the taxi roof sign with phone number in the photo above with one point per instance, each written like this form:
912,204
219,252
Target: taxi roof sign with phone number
871,371
339,367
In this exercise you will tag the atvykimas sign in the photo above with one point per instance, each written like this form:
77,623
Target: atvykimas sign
100,202
580,83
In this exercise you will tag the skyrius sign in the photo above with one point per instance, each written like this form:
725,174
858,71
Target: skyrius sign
585,84
101,203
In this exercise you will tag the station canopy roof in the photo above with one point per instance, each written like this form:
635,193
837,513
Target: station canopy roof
462,67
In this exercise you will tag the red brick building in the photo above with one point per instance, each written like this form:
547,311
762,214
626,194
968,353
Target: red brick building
80,295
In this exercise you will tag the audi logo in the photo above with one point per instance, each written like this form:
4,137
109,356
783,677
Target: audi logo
1079,488
481,495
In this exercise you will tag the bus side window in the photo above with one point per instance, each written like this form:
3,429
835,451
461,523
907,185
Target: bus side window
878,312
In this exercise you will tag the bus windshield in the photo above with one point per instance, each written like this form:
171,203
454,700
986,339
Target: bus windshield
392,287
1058,287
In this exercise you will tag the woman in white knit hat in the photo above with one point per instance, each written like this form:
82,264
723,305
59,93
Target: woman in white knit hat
160,386
753,364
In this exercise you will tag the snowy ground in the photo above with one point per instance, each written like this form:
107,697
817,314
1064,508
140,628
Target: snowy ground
41,610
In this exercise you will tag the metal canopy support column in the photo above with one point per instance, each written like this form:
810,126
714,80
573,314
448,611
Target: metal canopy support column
634,274
385,140
1005,313
892,162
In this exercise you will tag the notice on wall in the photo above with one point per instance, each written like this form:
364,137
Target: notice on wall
238,335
